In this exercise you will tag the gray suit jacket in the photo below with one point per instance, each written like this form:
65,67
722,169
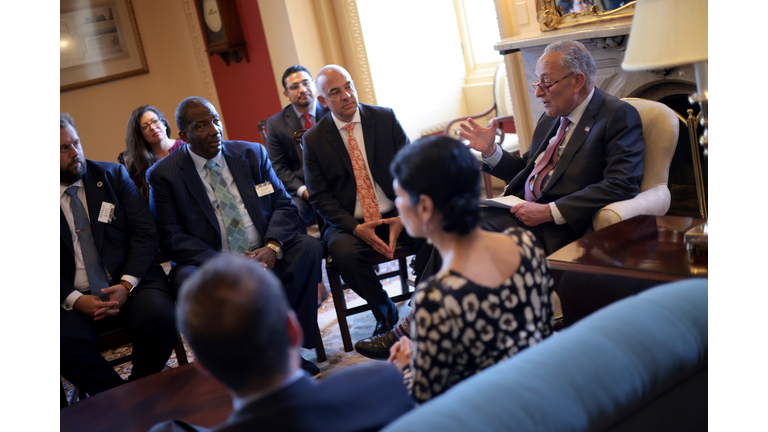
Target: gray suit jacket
282,151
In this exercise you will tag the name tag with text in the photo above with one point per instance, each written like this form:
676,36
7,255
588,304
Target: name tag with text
264,189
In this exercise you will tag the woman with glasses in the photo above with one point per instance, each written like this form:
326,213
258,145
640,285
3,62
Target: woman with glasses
147,140
491,297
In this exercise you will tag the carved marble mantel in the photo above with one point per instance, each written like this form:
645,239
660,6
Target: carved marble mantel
607,44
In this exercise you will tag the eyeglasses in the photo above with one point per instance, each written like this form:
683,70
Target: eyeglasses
544,86
154,122
349,87
295,86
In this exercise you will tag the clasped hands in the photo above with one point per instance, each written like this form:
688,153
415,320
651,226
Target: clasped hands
266,256
367,232
92,305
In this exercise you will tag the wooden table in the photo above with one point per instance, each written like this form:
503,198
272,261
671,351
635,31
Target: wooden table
179,393
643,247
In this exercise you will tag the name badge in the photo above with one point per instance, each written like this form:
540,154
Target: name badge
264,189
106,212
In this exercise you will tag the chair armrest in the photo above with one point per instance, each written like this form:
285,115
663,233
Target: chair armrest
654,201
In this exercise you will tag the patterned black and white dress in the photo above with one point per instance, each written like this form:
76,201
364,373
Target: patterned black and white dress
462,328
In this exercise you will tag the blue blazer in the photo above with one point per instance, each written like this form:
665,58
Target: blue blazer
186,221
330,178
127,244
282,151
343,402
602,163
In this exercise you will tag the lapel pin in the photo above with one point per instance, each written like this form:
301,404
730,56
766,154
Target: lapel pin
586,129
99,184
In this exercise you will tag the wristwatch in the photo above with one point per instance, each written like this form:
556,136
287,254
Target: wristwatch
278,250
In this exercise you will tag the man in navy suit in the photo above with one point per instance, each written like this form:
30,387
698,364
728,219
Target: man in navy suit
107,275
599,160
337,171
302,112
214,196
255,353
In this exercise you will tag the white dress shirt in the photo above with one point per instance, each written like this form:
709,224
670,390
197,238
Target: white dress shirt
81,277
254,238
386,205
574,117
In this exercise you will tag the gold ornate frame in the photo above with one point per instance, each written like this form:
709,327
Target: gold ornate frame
551,16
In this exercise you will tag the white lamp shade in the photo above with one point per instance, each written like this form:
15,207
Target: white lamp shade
667,33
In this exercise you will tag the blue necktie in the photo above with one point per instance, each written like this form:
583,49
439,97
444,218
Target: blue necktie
97,278
233,221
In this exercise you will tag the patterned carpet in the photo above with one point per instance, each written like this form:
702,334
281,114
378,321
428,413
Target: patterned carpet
360,326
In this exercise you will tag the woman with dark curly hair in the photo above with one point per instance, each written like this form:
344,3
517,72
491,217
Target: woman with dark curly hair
147,140
491,297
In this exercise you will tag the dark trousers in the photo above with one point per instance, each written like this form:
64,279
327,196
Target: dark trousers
350,257
306,211
149,317
299,271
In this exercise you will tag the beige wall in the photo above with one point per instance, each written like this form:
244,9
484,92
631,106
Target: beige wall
175,72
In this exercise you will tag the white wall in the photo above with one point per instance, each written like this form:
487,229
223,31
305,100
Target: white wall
416,62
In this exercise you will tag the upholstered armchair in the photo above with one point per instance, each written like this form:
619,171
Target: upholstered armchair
661,126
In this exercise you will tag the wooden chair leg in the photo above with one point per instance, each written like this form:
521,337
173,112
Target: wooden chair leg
321,357
181,353
488,185
341,306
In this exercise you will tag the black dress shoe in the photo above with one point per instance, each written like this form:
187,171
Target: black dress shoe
386,324
376,347
311,368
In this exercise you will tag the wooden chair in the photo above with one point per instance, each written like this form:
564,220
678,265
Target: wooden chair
501,111
337,289
117,338
263,129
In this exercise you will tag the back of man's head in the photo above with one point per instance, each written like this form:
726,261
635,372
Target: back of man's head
234,315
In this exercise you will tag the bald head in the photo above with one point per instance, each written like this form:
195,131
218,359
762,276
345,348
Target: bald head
336,91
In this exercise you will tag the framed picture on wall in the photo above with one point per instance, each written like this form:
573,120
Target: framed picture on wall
99,42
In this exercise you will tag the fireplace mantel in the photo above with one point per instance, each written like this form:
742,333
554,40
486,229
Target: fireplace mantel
606,43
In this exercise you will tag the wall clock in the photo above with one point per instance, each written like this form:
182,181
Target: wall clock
222,32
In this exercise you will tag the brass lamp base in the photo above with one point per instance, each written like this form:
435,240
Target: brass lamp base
697,240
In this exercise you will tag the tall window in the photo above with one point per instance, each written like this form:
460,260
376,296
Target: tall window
479,30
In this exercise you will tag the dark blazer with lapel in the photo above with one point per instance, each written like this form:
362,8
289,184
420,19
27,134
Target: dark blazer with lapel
364,397
282,151
328,167
188,227
602,162
126,245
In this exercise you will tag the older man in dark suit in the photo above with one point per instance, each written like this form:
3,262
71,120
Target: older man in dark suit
254,352
214,196
302,113
587,152
346,161
107,275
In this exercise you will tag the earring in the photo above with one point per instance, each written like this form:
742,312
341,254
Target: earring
424,228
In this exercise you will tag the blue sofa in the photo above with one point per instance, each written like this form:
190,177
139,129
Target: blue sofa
639,364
